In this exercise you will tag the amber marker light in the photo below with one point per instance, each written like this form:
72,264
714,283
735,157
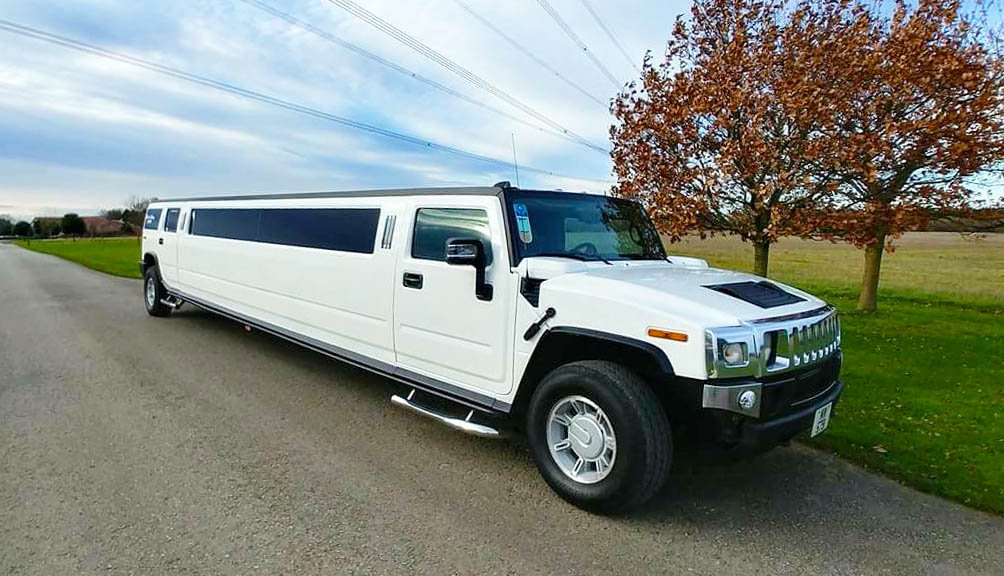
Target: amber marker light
667,334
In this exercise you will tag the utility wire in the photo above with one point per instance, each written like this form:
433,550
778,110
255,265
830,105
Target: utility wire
404,38
610,35
527,53
325,35
51,38
578,41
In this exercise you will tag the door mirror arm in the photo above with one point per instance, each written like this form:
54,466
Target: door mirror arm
471,252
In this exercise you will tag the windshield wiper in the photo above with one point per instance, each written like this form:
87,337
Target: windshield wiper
574,256
642,257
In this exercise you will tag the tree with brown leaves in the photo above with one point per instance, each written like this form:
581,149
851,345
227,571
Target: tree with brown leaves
923,110
725,135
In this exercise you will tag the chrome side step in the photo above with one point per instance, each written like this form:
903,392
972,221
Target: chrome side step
464,425
173,302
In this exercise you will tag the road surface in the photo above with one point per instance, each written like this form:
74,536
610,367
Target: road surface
136,445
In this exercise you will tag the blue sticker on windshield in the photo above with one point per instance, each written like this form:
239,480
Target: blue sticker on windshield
523,223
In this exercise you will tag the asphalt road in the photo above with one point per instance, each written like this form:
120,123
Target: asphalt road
136,445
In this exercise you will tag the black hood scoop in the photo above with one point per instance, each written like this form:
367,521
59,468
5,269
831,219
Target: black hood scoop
762,294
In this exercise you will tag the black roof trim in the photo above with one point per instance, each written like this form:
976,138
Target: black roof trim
456,191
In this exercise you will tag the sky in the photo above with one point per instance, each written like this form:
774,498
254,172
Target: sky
80,133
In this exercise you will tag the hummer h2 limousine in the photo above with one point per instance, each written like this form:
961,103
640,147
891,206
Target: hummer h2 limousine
552,313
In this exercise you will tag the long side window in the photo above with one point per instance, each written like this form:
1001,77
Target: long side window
434,226
341,229
152,219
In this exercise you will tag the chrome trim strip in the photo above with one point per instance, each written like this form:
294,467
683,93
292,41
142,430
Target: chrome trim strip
817,396
388,231
727,398
431,385
796,316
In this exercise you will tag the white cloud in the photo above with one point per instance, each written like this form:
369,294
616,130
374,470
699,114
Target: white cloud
82,132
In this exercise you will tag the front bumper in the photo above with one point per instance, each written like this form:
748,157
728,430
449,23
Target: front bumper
756,436
785,406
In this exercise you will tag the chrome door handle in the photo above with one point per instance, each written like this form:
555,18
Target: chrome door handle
412,280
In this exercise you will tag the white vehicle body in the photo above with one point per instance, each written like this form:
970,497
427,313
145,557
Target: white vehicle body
423,321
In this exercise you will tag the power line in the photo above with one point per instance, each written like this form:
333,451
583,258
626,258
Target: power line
325,35
610,35
404,38
51,38
527,53
578,41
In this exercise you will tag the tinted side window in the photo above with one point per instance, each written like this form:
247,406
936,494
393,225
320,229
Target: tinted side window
171,220
343,229
434,226
236,224
152,219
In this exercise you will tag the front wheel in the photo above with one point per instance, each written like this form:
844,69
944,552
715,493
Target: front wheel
154,294
599,436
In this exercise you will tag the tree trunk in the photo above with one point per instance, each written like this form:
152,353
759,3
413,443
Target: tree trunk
868,299
761,253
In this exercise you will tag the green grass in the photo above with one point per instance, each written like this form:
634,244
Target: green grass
924,375
924,397
118,256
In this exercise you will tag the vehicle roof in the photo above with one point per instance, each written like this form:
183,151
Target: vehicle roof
440,191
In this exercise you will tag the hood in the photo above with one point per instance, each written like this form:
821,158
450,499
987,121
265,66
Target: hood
685,290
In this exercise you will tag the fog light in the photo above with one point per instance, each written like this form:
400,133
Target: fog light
747,399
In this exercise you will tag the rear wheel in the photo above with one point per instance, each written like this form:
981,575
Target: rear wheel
599,436
154,293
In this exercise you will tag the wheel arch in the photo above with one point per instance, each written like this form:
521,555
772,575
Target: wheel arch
564,344
149,261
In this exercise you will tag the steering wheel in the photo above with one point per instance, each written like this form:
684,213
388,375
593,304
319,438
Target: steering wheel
586,249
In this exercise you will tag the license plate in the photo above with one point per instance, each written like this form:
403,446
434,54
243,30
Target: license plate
821,420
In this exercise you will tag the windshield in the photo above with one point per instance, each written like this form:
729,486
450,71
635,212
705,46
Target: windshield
582,226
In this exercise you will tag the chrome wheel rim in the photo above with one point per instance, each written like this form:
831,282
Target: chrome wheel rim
151,293
581,439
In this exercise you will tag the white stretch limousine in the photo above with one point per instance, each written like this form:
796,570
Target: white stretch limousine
554,313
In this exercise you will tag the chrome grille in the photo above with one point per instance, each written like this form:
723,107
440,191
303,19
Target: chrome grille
800,342
778,344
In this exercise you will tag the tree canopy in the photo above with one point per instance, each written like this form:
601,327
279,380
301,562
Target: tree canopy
836,119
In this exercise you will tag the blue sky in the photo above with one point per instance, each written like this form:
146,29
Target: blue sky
81,133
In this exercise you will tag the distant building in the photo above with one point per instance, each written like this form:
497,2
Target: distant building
101,226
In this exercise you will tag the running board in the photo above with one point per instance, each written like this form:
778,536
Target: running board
173,302
464,425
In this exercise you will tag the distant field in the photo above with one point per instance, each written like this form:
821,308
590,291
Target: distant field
942,266
924,401
118,256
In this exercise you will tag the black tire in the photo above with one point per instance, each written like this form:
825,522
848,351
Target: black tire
156,308
644,443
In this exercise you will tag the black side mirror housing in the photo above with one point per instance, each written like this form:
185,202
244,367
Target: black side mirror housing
471,252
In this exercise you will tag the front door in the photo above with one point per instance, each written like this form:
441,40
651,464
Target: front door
442,329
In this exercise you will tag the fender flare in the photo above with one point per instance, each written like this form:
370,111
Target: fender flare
659,356
144,264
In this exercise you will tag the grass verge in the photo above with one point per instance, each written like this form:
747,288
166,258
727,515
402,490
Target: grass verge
117,256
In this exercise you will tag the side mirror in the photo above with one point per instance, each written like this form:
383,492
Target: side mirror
470,252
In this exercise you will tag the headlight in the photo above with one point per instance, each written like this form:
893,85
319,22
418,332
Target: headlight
730,351
734,353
